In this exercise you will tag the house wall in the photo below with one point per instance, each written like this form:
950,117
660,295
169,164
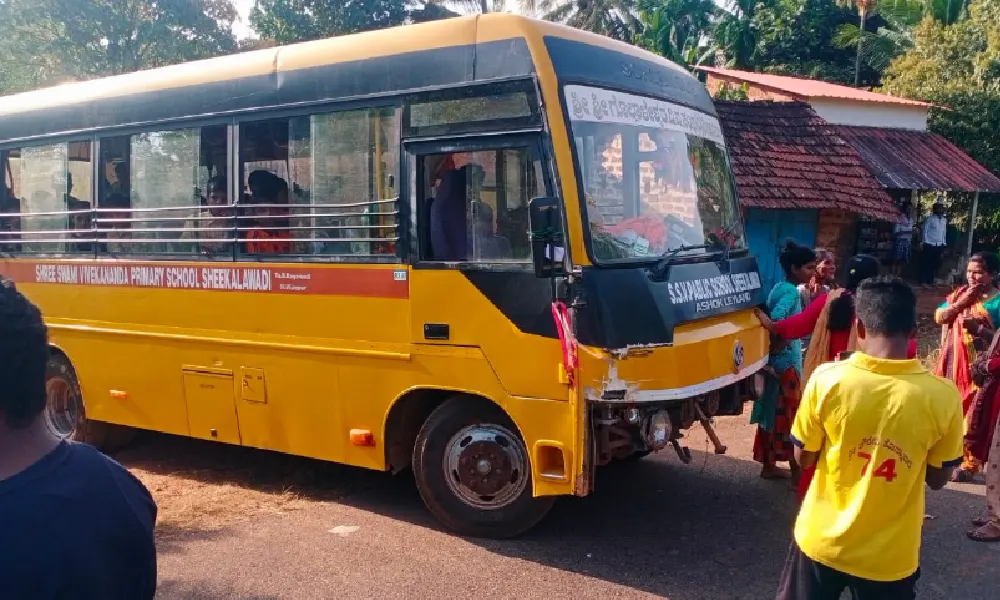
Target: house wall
870,114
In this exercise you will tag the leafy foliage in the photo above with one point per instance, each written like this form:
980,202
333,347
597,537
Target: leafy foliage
958,66
47,41
288,21
617,19
676,29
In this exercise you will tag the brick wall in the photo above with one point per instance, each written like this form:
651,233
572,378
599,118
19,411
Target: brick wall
714,83
665,195
836,231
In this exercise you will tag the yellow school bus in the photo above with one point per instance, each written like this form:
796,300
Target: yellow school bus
498,251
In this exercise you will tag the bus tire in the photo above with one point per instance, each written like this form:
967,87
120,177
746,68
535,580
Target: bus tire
65,415
473,473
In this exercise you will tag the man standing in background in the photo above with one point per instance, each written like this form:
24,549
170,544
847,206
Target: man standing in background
935,237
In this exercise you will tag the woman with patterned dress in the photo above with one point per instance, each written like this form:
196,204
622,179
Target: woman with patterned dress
775,410
968,319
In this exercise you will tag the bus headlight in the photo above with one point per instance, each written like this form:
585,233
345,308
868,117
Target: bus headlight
657,430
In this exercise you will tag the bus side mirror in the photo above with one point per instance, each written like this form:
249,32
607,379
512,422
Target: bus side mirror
548,248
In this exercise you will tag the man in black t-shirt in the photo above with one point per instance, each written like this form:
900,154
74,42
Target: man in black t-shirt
73,523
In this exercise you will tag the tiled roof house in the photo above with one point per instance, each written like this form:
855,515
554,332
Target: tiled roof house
890,139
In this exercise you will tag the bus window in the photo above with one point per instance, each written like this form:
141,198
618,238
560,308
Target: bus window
10,211
165,192
475,205
321,185
50,186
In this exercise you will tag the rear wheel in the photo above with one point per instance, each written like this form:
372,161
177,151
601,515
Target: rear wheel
65,415
473,472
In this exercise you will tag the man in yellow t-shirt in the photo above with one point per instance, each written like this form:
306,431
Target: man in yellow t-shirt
877,427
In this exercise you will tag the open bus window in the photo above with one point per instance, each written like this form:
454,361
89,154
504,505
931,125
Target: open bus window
165,192
48,188
322,184
475,205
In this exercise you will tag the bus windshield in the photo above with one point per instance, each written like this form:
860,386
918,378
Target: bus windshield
656,176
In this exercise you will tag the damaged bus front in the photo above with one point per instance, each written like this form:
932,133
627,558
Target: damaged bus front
661,319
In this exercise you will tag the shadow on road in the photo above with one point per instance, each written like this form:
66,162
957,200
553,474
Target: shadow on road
711,529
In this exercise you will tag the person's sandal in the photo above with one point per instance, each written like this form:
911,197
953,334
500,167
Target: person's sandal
979,535
961,476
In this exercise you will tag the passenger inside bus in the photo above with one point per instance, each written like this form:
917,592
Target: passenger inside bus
487,245
449,235
265,235
215,221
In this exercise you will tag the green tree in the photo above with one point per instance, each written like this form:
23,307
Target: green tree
617,19
734,33
957,66
45,41
676,29
794,37
299,20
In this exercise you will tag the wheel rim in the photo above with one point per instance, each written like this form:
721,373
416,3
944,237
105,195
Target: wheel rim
62,407
486,466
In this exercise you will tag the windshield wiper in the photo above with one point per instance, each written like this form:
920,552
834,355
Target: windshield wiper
663,264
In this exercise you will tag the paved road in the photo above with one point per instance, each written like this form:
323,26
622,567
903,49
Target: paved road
655,529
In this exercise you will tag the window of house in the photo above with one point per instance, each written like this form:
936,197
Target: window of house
475,205
321,185
47,200
165,192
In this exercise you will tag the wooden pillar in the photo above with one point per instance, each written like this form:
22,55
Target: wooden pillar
972,225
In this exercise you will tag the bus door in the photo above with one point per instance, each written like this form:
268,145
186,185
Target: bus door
473,284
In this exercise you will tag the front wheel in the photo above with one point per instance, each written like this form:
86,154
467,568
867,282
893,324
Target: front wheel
65,416
473,473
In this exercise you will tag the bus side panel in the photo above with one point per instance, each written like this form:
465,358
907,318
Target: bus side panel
131,348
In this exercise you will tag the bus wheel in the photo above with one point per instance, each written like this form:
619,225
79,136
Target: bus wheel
473,473
65,416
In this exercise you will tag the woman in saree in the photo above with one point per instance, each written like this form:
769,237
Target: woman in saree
775,410
968,319
830,320
983,441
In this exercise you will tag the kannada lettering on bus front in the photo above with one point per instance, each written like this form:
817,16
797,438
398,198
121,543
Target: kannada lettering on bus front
352,281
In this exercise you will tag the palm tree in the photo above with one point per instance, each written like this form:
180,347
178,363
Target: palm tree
733,33
677,29
864,7
878,48
617,19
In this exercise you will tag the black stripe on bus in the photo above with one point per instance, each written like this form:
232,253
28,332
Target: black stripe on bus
379,75
578,62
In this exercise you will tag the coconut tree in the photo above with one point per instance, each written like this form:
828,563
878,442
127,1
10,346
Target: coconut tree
677,29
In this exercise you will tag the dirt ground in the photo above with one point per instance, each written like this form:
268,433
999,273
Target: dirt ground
205,486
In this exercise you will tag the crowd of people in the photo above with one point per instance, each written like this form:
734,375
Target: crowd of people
864,425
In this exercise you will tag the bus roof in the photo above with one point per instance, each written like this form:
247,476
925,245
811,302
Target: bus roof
442,53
